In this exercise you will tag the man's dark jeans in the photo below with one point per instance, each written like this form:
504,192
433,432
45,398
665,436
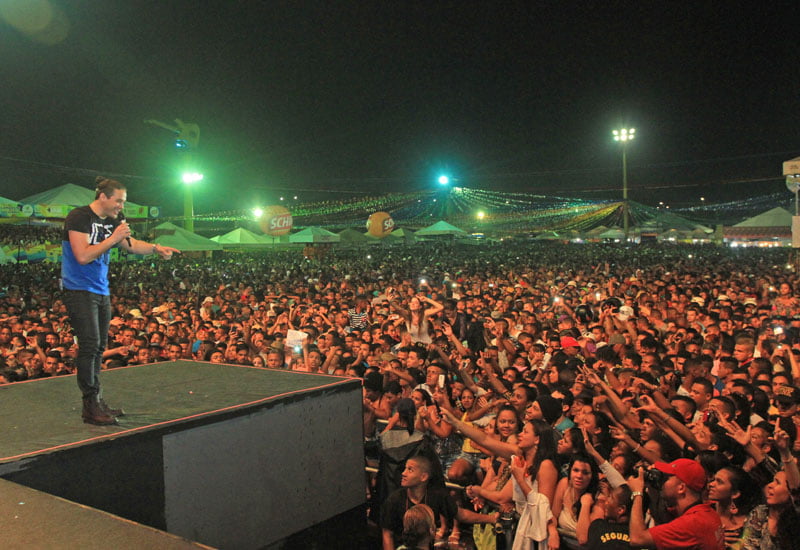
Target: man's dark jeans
89,315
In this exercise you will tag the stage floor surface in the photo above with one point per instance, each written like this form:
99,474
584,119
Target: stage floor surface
44,415
32,520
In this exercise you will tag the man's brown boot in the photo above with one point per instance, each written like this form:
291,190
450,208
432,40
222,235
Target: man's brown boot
93,414
108,410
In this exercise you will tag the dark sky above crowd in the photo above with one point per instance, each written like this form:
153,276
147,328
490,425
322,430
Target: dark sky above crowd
315,98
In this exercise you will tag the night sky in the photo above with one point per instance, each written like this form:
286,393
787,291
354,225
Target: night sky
317,98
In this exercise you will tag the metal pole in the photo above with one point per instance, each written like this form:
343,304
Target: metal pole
188,208
795,254
625,190
188,200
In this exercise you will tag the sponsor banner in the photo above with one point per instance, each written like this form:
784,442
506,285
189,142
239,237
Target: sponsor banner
135,211
15,210
51,210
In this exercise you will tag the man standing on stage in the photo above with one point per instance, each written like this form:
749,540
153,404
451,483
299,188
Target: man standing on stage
90,232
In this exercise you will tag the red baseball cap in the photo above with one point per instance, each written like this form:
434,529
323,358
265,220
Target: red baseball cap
687,470
569,342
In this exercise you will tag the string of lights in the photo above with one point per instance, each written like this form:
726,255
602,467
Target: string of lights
481,209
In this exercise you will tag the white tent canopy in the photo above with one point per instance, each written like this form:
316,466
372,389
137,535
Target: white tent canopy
596,231
314,235
240,237
169,234
674,234
14,209
612,233
701,234
777,217
70,194
441,228
548,236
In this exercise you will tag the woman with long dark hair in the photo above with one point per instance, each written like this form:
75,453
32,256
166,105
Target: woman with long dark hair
534,475
582,479
468,460
446,441
776,524
417,317
734,495
569,444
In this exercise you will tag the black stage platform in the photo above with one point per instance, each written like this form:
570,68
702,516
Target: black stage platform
229,456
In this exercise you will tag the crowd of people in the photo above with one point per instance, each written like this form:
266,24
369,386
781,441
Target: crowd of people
15,236
515,396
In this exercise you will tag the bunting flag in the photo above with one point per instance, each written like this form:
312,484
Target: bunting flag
480,210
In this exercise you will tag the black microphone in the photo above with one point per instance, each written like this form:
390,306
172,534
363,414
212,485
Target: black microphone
121,219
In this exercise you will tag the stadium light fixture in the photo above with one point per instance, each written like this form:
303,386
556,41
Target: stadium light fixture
191,177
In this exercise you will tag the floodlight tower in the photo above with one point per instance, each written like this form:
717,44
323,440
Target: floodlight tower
624,135
187,139
791,171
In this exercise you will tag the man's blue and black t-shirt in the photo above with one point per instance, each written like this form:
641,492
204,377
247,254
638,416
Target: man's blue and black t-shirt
94,275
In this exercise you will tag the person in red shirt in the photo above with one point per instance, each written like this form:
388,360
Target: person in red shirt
697,525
